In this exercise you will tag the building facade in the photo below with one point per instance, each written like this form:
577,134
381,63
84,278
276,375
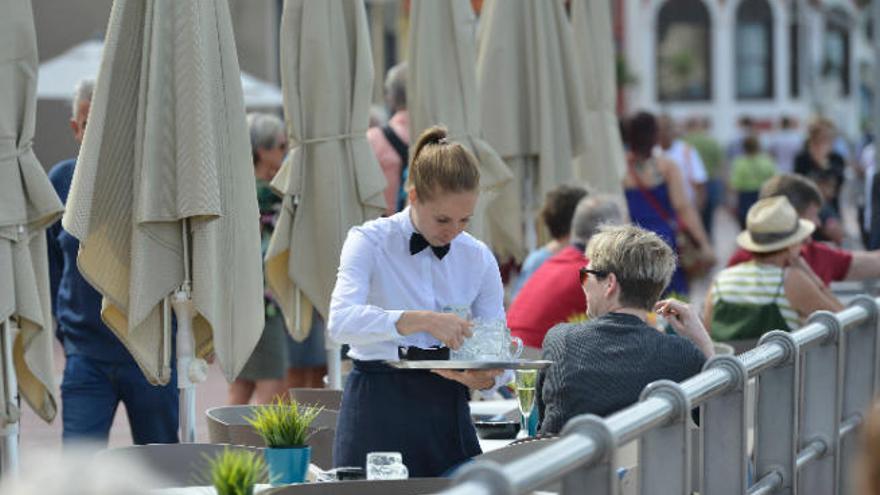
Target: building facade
727,59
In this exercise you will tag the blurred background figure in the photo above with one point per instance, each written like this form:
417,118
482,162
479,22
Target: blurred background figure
556,214
748,174
390,142
826,167
656,195
867,472
263,376
712,155
785,144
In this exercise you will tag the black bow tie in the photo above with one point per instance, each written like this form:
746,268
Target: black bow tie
417,243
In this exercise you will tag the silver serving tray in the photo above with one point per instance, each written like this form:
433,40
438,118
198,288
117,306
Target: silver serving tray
469,365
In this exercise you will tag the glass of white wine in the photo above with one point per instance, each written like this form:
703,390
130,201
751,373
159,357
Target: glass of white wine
526,380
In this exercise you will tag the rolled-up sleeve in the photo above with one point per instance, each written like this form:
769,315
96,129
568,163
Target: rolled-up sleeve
352,320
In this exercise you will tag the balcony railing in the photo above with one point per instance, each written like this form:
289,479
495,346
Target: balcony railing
813,387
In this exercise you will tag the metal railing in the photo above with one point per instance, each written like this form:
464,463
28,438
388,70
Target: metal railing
812,388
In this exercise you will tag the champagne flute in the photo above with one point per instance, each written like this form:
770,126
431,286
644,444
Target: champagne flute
526,380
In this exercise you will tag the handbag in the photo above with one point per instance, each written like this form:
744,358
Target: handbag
687,246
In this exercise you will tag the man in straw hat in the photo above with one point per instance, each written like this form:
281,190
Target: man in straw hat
777,289
830,263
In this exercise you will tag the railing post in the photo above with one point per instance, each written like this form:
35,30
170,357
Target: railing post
822,384
724,437
777,420
664,452
599,477
859,384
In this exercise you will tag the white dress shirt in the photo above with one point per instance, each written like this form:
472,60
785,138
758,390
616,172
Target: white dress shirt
379,279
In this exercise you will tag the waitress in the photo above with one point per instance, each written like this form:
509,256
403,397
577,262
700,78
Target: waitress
395,276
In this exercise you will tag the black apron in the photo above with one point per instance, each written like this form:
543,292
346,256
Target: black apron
422,415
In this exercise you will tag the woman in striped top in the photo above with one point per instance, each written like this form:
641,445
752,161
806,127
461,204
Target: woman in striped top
775,291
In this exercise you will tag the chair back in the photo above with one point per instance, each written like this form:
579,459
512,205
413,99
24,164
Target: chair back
411,486
327,397
179,464
228,424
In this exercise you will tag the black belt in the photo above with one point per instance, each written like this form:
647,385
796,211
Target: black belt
420,354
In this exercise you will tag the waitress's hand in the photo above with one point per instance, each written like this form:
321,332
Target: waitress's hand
448,328
473,379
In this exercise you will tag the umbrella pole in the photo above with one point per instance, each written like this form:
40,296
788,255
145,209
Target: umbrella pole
189,369
9,431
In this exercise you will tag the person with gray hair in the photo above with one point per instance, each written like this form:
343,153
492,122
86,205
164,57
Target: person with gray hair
99,372
602,365
277,363
552,294
79,108
390,142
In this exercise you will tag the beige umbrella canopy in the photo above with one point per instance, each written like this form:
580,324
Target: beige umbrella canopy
532,106
330,181
166,142
442,88
28,204
603,163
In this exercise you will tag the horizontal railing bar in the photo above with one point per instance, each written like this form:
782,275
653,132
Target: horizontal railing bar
850,424
762,357
468,488
565,455
706,385
630,423
810,335
811,452
766,485
852,315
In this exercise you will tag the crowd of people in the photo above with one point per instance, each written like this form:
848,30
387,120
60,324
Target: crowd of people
602,300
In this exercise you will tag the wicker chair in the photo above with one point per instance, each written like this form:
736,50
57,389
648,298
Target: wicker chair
228,424
327,397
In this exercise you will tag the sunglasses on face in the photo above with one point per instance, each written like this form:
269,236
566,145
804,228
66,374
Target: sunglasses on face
585,272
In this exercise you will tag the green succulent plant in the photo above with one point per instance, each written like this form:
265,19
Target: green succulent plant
235,472
284,424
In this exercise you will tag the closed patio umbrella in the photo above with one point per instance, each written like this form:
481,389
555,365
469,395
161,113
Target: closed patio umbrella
330,181
603,163
28,205
163,198
532,107
442,88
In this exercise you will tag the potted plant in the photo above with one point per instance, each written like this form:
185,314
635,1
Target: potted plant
284,427
235,472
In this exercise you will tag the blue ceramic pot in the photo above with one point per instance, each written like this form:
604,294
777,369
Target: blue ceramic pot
288,465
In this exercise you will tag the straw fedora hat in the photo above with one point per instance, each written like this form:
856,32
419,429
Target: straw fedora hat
773,224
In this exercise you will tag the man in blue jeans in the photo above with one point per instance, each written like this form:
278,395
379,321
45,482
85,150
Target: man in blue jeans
99,371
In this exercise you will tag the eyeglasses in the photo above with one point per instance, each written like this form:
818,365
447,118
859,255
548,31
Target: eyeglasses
585,272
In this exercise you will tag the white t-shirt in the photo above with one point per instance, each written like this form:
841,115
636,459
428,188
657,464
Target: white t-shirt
689,163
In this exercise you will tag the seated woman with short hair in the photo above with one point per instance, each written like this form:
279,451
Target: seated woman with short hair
777,289
601,366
